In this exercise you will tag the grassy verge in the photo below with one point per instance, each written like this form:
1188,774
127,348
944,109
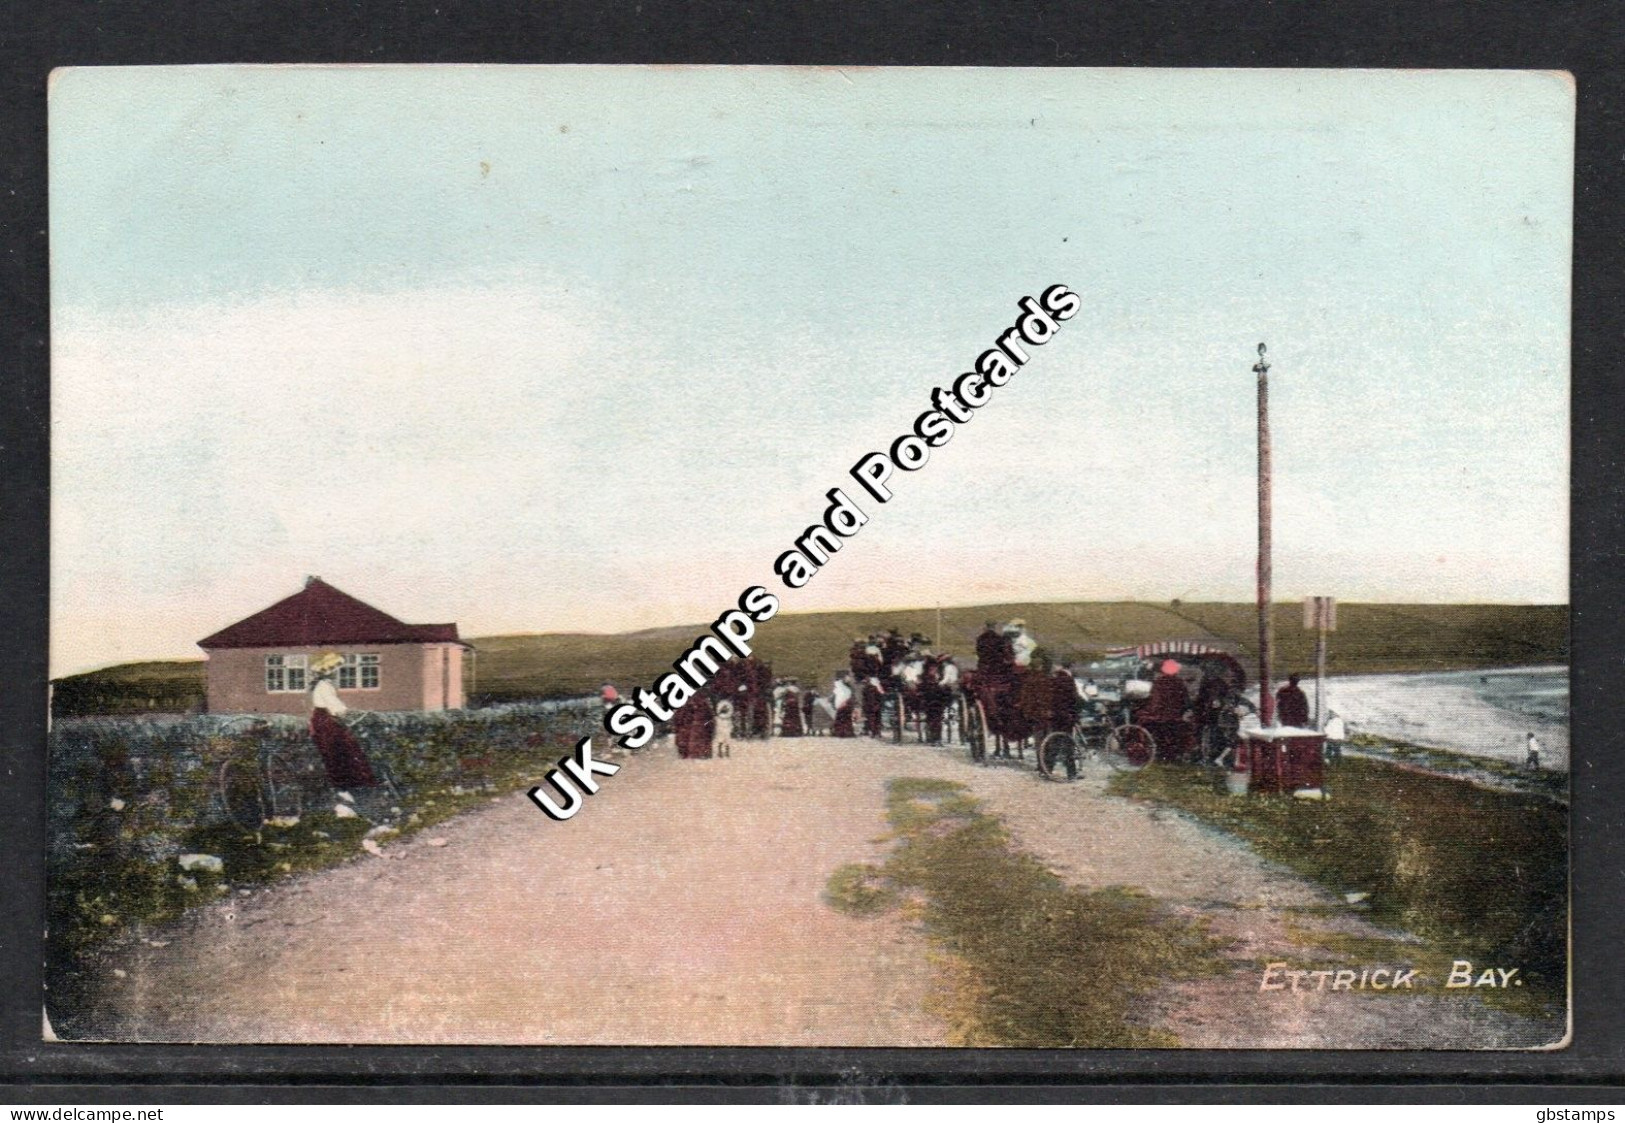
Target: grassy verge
1027,960
1497,773
1477,874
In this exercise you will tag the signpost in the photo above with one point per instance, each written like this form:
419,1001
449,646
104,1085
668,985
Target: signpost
1320,613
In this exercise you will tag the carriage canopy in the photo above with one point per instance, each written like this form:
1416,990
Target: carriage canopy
1194,655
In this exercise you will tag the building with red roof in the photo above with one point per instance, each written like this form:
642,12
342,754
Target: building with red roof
261,663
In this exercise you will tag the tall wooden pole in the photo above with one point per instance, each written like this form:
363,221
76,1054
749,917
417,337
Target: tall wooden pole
1266,624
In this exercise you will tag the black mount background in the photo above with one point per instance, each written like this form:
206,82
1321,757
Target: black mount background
1583,38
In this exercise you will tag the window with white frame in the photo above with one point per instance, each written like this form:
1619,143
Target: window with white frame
358,672
285,673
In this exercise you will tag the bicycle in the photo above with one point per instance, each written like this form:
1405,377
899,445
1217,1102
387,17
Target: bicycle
1094,740
270,787
281,779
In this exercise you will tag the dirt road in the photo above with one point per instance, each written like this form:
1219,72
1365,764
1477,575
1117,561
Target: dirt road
683,905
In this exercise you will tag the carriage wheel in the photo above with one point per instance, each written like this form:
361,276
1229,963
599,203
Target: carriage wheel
284,787
1053,752
1131,747
976,730
241,796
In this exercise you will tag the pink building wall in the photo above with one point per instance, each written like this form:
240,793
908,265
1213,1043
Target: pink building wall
411,676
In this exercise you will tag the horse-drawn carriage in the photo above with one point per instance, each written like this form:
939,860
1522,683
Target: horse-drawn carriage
1178,700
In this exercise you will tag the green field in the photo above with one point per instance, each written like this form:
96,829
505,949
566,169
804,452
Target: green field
162,687
811,646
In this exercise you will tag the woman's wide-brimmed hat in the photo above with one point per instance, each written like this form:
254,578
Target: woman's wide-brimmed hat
325,662
1169,667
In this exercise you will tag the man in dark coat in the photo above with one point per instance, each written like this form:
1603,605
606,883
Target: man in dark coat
995,666
1064,706
1292,704
873,699
994,652
933,699
1064,700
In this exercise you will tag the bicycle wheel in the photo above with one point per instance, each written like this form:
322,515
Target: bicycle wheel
241,795
284,787
1053,752
1130,747
976,730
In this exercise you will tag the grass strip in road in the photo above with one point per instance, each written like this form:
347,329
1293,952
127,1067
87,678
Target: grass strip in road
1478,874
1029,961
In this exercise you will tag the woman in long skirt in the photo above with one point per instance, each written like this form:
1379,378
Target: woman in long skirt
844,700
693,727
790,711
342,757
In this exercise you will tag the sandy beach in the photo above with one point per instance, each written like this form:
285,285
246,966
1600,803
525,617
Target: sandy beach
1478,713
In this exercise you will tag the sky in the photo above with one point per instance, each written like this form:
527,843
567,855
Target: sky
582,348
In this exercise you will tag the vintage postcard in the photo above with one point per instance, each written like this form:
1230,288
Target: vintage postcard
1067,559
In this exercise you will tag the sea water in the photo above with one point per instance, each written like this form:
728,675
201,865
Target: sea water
1481,713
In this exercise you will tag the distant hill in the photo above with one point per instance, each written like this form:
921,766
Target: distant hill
159,687
810,646
1370,638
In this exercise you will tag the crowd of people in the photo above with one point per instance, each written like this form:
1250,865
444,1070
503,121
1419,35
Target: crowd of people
1024,692
741,696
919,680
